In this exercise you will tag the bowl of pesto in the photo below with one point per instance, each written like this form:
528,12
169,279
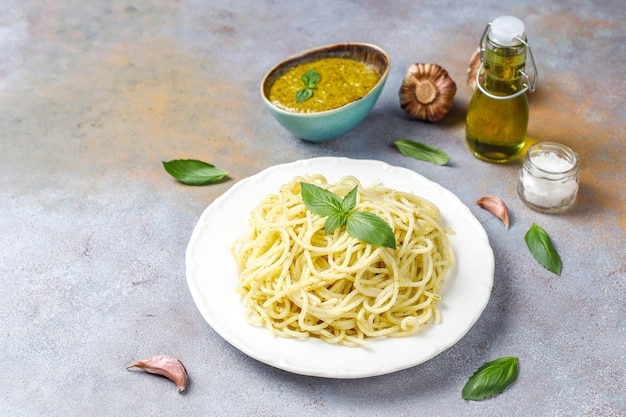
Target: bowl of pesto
322,93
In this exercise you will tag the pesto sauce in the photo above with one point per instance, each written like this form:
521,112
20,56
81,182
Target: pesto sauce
343,80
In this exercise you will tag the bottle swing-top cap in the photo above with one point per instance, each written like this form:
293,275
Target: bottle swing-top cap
507,31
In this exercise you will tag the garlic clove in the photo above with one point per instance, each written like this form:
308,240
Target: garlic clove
496,207
427,92
167,366
473,68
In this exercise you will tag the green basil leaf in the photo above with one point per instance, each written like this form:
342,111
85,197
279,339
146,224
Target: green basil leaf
303,95
370,228
349,201
311,78
367,227
194,172
541,248
320,201
421,151
334,221
491,379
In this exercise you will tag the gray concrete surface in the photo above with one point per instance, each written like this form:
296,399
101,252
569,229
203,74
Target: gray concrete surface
94,95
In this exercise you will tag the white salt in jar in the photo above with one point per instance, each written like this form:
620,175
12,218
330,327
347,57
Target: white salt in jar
548,180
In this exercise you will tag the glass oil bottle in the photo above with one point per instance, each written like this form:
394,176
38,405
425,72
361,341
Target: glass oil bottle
497,115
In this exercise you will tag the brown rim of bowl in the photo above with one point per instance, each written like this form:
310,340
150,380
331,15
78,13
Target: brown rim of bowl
364,52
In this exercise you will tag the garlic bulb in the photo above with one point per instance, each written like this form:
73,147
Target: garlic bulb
427,92
472,69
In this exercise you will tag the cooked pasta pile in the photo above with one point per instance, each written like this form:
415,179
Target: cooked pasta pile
299,282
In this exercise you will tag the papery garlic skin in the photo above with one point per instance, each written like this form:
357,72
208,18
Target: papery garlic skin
167,366
427,92
473,68
496,207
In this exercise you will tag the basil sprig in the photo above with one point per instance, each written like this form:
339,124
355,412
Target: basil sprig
422,151
310,79
364,226
194,172
541,248
491,379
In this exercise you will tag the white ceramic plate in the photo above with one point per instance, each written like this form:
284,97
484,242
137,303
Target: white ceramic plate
212,275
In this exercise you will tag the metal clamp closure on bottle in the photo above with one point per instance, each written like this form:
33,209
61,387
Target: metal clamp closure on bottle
530,84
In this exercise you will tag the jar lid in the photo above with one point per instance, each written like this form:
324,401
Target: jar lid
505,29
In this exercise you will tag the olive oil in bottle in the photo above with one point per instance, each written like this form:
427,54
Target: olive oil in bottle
497,115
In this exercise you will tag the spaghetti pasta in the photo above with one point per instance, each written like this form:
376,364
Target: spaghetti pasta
299,282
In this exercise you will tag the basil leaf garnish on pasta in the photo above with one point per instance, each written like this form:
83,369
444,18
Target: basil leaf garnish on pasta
364,226
370,228
491,379
541,248
334,221
421,151
349,201
194,172
320,201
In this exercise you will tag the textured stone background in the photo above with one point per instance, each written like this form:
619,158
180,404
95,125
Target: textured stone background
94,95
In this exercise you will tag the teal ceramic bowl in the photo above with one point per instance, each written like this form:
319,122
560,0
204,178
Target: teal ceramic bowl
330,124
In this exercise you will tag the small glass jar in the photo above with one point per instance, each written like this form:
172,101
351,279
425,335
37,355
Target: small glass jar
549,178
